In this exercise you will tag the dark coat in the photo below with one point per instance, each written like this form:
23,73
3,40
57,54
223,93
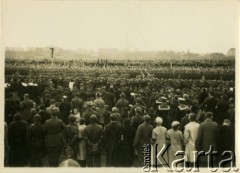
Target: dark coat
64,108
126,145
17,140
53,129
206,136
225,139
36,136
112,136
93,134
26,106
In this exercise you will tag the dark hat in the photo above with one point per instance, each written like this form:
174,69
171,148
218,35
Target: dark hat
72,118
93,118
36,118
113,116
147,118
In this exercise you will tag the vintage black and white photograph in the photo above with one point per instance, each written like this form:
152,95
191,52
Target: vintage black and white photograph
148,85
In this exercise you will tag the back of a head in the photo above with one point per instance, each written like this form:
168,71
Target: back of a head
42,107
54,112
192,117
147,118
126,122
114,109
17,117
52,101
93,118
175,125
36,118
159,121
69,163
139,110
226,122
71,118
26,96
82,121
208,115
113,117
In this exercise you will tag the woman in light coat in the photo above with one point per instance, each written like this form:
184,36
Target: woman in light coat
190,135
175,138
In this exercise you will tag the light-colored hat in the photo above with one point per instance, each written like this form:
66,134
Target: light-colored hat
181,99
159,120
175,123
89,103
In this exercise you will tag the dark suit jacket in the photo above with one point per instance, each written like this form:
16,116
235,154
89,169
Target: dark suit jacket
112,136
207,134
93,134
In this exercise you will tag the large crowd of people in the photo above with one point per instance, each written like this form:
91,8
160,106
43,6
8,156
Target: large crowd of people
106,121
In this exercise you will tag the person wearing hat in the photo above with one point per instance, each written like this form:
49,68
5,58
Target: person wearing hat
64,109
181,110
36,136
51,107
53,132
159,134
122,105
17,141
70,134
175,137
142,138
89,111
93,134
112,137
190,135
206,138
163,110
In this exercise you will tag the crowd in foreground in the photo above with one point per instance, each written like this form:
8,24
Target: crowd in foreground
85,120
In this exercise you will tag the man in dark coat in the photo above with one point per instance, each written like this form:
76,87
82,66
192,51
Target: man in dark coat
93,134
225,139
64,109
36,138
12,106
17,140
206,138
126,144
112,136
53,129
142,138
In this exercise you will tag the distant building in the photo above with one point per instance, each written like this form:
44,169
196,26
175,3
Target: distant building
231,52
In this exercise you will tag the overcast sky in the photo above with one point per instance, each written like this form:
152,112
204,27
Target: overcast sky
201,27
